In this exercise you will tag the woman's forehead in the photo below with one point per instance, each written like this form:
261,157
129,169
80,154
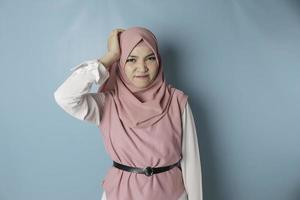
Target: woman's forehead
141,49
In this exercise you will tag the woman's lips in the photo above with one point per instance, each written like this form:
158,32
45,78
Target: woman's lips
144,76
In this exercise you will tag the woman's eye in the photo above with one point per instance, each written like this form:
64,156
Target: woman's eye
152,58
129,60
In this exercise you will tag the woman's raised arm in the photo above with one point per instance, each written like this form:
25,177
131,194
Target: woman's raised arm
74,96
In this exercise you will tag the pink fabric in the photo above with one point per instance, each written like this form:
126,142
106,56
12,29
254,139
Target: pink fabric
142,127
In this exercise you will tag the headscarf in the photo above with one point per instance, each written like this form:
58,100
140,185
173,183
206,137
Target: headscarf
138,107
142,127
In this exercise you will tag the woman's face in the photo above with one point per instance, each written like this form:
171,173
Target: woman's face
141,66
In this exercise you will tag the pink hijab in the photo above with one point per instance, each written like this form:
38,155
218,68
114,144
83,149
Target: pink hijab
141,127
138,107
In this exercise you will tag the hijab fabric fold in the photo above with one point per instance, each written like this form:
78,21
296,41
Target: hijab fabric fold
138,107
141,127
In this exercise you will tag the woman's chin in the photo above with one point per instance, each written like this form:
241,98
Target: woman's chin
142,85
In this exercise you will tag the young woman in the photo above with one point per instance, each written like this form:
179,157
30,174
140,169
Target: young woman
147,124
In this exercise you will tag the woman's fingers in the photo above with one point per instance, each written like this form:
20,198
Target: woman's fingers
113,42
116,31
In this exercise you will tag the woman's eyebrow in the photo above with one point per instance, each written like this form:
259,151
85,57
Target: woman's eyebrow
137,56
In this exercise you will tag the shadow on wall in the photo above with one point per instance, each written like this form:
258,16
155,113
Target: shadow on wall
294,4
296,192
211,173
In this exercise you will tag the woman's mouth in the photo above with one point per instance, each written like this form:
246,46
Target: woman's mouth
142,76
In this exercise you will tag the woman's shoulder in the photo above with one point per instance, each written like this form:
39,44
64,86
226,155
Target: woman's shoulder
181,97
178,92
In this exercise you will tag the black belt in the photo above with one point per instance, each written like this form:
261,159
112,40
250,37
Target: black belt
148,171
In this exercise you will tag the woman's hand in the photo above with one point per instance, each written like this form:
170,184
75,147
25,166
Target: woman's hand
114,52
113,43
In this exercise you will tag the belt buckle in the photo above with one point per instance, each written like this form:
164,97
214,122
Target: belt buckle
148,171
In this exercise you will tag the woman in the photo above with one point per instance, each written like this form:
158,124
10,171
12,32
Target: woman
146,124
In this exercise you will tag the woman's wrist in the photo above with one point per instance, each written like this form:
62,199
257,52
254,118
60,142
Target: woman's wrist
107,60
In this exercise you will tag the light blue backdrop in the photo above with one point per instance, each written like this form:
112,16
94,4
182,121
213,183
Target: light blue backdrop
237,60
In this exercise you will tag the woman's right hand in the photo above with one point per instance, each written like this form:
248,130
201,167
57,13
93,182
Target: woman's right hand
114,52
113,43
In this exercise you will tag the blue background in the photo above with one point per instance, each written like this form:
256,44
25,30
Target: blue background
237,60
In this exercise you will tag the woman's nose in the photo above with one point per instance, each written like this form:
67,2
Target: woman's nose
142,67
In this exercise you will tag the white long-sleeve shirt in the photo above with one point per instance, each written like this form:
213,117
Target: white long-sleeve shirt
74,96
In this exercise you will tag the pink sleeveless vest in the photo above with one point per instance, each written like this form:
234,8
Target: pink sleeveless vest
151,146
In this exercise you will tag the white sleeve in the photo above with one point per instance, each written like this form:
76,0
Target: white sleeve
190,163
74,96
